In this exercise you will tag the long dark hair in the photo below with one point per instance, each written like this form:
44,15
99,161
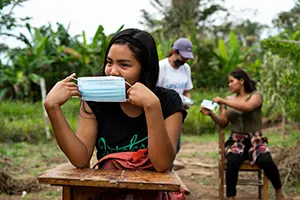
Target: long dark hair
144,49
249,84
171,52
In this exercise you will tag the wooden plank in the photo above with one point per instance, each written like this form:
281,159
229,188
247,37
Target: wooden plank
178,165
249,182
265,188
260,187
247,167
84,193
126,179
183,186
67,193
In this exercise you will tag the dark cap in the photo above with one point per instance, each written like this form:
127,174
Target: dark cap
184,46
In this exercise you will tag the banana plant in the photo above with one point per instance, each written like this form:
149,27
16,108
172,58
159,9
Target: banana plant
53,54
163,44
231,55
91,55
26,65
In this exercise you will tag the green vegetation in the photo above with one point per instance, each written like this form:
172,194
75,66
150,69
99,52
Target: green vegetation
21,121
54,54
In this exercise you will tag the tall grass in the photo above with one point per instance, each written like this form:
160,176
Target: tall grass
22,121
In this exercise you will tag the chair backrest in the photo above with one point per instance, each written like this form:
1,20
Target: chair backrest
221,146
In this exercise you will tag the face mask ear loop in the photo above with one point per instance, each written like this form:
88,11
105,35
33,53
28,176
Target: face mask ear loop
73,78
129,86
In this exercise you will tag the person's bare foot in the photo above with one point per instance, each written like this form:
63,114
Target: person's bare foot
231,198
280,195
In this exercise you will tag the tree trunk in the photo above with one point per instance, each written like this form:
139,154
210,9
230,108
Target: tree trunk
46,119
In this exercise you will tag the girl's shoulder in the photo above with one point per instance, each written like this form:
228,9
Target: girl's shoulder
170,101
162,92
254,93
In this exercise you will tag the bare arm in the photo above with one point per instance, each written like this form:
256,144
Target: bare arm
187,93
163,136
78,148
246,106
221,119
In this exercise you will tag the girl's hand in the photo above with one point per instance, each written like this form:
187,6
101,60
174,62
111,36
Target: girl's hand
219,100
139,95
62,92
205,111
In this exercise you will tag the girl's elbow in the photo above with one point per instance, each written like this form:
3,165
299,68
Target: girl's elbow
80,165
224,124
162,167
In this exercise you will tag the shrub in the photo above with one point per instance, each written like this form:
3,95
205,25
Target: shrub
195,123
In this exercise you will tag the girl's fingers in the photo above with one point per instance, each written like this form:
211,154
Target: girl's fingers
71,84
129,100
73,89
129,90
75,93
69,78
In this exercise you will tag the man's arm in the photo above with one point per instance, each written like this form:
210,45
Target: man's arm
187,93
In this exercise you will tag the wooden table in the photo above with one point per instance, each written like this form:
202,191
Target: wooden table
84,183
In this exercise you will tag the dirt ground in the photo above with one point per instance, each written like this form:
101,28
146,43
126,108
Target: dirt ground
199,174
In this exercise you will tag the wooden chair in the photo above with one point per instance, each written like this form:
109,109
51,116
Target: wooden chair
79,184
261,182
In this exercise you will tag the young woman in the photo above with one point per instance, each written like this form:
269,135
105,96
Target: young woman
174,72
243,111
152,116
150,119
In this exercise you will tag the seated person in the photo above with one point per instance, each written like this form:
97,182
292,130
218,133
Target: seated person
243,111
151,118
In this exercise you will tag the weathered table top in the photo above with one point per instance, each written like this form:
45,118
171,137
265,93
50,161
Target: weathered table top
67,175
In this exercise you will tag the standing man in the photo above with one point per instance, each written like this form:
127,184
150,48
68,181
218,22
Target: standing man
174,72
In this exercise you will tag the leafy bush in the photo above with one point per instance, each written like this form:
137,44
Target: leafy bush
195,123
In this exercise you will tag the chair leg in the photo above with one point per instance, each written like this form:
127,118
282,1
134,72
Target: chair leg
260,187
221,188
221,161
265,186
221,178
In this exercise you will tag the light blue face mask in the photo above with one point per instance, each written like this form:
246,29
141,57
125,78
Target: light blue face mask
102,88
